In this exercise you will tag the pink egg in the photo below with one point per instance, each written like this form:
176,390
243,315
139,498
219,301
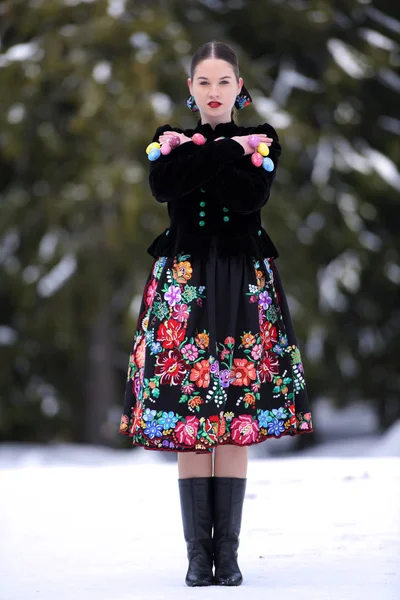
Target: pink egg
165,149
254,140
198,139
256,159
174,141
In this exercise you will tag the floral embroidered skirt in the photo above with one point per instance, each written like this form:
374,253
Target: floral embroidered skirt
215,359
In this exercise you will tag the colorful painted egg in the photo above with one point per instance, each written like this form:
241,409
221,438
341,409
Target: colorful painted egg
151,146
174,141
154,154
165,149
263,149
254,140
256,159
198,139
268,164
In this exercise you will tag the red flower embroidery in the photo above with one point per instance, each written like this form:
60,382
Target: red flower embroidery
242,372
229,340
170,367
244,430
186,431
201,373
268,335
268,367
170,333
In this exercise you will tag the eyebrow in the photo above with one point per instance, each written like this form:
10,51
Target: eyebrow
224,77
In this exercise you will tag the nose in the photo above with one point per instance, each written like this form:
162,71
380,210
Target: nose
214,93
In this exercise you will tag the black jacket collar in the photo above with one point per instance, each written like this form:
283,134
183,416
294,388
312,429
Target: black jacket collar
222,129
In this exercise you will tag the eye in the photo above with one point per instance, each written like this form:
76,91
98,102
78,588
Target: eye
224,81
203,82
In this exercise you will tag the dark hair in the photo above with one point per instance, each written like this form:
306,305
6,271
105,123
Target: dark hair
215,50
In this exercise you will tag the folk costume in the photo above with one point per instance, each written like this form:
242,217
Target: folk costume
215,358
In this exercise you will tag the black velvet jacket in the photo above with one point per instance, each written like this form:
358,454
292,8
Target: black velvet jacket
214,194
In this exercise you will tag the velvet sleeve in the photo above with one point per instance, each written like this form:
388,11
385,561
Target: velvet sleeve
241,186
189,166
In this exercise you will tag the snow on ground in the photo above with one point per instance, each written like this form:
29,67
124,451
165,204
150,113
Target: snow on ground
95,524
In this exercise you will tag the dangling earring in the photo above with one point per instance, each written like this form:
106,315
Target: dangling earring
191,104
243,99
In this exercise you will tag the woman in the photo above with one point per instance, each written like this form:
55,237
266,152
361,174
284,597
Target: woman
215,365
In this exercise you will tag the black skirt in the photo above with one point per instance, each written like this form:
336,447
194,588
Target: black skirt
215,358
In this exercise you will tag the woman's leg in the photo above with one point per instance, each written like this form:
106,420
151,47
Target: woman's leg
231,461
191,464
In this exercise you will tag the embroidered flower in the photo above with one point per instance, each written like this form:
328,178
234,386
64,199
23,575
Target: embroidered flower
256,352
243,371
250,400
156,347
168,420
195,401
225,378
224,354
248,340
151,292
244,430
170,367
229,341
263,418
173,295
186,431
188,388
268,335
140,353
149,415
202,340
190,352
200,373
268,367
276,427
170,333
214,367
181,312
260,279
182,271
253,299
153,429
264,300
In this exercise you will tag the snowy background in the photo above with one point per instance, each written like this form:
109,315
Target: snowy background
89,523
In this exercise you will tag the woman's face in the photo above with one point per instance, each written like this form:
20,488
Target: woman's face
215,87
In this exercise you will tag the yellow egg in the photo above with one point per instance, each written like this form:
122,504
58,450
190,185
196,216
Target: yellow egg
263,149
151,146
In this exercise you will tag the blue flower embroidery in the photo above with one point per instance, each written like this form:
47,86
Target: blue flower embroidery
263,418
276,427
168,420
153,429
149,415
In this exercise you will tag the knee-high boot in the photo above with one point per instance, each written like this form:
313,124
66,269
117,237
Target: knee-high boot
229,495
196,506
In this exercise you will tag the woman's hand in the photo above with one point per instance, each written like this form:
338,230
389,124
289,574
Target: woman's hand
167,135
243,140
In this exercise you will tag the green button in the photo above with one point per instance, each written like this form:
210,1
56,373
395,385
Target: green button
202,204
202,190
226,219
259,232
225,209
202,223
202,213
167,232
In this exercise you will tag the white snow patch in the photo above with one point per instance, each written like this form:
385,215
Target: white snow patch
315,528
57,277
349,59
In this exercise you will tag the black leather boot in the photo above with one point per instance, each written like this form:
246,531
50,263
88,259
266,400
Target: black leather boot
196,506
229,495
